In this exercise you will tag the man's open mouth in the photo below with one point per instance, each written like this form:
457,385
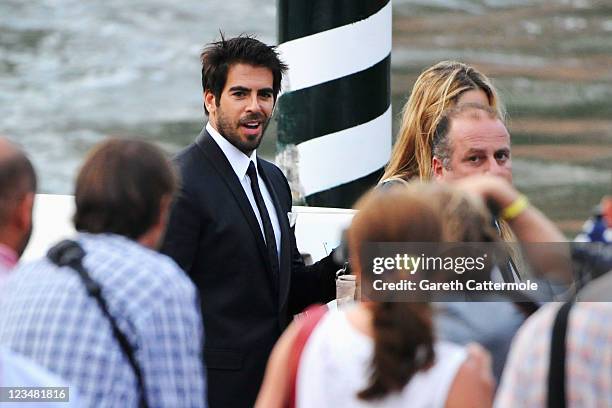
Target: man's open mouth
251,125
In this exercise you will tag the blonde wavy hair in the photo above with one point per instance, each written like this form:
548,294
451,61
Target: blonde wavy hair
436,89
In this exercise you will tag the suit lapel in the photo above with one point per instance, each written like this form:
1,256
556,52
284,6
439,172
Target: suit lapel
285,250
215,155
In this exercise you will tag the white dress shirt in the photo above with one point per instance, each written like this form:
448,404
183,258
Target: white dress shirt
240,163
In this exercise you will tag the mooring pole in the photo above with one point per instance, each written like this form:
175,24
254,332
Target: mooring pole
334,115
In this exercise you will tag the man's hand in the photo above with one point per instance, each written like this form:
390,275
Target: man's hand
492,190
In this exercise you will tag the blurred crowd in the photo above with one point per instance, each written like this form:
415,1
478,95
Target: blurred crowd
181,286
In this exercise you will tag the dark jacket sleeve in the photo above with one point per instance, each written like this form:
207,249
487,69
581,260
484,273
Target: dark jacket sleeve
181,240
313,283
310,284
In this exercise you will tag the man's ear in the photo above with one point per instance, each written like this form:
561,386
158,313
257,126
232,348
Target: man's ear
164,210
210,101
153,237
437,168
23,212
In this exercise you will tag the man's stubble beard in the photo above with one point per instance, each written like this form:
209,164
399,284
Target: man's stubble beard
230,131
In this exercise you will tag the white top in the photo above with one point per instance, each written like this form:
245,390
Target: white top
240,163
335,363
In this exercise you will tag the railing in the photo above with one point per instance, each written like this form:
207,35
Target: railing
318,230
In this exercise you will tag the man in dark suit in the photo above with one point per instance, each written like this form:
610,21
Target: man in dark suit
229,227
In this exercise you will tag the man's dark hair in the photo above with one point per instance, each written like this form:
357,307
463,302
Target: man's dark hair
218,56
17,178
440,144
120,187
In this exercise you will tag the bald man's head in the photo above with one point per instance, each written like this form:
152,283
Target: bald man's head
17,189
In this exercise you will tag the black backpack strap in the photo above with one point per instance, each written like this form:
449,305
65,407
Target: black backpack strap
525,304
557,393
69,253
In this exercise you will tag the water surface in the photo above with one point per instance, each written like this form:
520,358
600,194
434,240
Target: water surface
73,72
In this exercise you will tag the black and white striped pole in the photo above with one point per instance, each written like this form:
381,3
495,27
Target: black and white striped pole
334,115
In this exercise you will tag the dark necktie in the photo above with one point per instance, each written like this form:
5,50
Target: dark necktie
267,224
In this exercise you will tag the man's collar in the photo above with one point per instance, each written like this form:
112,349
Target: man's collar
238,160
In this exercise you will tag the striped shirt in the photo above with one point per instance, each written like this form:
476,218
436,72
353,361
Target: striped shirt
588,365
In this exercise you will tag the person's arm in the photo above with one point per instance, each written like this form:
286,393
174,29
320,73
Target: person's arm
530,225
275,388
544,245
310,284
473,385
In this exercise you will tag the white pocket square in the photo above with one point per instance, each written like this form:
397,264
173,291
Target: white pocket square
292,217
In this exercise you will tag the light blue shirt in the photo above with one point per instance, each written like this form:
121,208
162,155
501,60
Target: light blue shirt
17,371
47,315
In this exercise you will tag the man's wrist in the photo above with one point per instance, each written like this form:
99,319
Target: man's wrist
515,208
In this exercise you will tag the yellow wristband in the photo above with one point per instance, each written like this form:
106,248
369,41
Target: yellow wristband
516,208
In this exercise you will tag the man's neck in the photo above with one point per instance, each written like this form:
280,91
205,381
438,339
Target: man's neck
212,130
8,256
226,146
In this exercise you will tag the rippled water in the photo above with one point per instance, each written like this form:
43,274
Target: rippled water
72,72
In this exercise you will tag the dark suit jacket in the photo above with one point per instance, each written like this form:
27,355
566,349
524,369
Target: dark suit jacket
214,236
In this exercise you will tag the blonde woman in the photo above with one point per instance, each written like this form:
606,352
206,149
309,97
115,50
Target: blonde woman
442,86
